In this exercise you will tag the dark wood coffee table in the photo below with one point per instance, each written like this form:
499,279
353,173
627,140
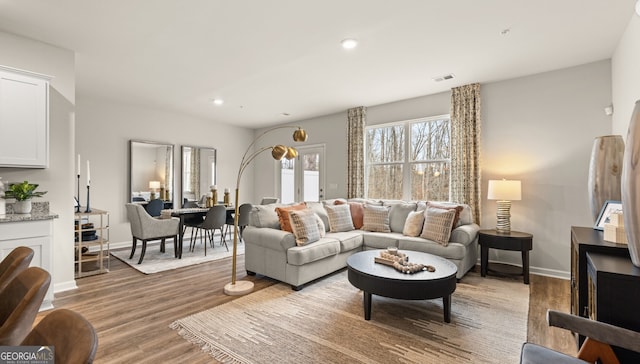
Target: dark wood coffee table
386,281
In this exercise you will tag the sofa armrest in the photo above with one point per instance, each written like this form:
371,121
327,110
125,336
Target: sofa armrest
465,234
274,239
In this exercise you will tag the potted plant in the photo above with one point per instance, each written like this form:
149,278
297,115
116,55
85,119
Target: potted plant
22,193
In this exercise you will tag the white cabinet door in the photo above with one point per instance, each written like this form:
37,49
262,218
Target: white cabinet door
24,119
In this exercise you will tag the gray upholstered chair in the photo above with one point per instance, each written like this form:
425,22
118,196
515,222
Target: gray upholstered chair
595,347
73,337
269,200
146,228
14,263
213,220
20,303
243,219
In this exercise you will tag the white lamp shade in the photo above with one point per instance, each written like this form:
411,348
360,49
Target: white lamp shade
154,184
505,190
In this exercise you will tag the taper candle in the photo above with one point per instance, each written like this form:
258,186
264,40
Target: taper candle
88,174
78,166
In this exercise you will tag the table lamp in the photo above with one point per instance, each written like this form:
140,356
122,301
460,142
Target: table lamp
153,186
504,191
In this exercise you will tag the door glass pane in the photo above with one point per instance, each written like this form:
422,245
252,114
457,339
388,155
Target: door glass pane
287,181
384,181
430,181
311,178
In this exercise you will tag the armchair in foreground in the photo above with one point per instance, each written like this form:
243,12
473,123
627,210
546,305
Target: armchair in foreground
237,288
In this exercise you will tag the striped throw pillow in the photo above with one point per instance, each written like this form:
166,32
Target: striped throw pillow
376,218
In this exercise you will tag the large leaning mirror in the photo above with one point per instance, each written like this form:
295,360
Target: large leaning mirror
198,172
151,172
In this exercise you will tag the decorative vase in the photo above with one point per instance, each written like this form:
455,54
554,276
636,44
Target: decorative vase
22,207
631,186
605,171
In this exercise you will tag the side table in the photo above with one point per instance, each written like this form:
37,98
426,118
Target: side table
514,241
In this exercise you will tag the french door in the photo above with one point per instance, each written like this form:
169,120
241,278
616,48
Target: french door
302,178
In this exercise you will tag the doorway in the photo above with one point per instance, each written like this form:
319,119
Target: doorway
302,178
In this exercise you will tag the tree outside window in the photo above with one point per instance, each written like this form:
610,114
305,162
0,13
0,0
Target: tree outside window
413,168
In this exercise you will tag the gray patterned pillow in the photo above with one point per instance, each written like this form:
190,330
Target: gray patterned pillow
376,218
339,218
438,224
304,224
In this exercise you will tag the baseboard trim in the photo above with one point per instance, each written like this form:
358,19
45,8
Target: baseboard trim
553,273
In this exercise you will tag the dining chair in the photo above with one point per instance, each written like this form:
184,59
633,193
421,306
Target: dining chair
14,263
73,337
21,301
154,207
269,200
213,220
147,228
243,219
600,336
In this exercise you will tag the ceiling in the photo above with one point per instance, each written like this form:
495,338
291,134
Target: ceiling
266,58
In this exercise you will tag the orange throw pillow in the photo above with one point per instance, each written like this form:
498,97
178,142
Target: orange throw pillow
357,212
283,215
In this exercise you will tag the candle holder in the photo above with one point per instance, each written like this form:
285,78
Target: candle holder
88,209
78,206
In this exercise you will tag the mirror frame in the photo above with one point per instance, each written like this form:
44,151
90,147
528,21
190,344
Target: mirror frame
169,186
183,181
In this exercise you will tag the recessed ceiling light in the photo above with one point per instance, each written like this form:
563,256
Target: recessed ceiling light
218,101
349,43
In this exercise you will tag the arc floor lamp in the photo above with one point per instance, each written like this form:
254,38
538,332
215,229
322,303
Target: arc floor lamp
237,288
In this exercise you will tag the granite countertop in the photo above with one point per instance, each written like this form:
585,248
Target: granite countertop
39,211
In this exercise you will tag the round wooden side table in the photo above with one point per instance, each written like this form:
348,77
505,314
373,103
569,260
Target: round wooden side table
514,241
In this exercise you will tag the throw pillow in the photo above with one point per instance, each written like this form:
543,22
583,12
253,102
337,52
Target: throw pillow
446,206
305,226
438,224
376,218
413,224
357,212
339,218
283,215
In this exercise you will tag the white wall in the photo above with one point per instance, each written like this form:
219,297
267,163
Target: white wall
625,72
58,179
104,128
538,129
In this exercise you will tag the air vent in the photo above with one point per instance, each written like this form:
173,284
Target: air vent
444,78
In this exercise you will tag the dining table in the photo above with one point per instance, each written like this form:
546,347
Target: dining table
188,212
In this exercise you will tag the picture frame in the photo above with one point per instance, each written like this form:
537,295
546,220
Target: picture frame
609,207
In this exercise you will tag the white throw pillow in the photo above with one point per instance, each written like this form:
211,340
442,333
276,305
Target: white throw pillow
413,224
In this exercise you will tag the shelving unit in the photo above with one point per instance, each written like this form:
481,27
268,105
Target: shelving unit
92,243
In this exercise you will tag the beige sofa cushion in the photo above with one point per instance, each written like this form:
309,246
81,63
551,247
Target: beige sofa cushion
438,224
398,213
323,248
264,216
376,218
339,218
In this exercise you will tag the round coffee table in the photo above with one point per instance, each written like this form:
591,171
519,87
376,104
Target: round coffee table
386,281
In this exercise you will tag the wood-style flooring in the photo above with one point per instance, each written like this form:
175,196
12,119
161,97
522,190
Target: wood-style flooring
132,311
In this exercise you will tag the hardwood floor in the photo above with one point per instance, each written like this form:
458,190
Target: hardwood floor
132,311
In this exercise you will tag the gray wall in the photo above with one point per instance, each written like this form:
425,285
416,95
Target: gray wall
104,129
58,179
538,129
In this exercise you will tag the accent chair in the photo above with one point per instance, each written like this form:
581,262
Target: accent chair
146,228
13,264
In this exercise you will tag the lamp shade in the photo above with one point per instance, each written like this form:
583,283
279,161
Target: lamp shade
505,190
154,184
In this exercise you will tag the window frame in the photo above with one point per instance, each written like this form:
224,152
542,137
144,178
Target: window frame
406,164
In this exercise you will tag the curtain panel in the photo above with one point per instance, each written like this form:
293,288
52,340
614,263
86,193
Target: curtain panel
356,120
465,147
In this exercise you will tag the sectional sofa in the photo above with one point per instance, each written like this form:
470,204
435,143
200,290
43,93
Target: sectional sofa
276,253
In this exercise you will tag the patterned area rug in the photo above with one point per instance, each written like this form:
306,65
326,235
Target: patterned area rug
324,323
154,261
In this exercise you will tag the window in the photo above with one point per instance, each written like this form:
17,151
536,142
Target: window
408,160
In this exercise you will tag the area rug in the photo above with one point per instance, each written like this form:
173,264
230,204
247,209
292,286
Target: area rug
154,261
324,323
